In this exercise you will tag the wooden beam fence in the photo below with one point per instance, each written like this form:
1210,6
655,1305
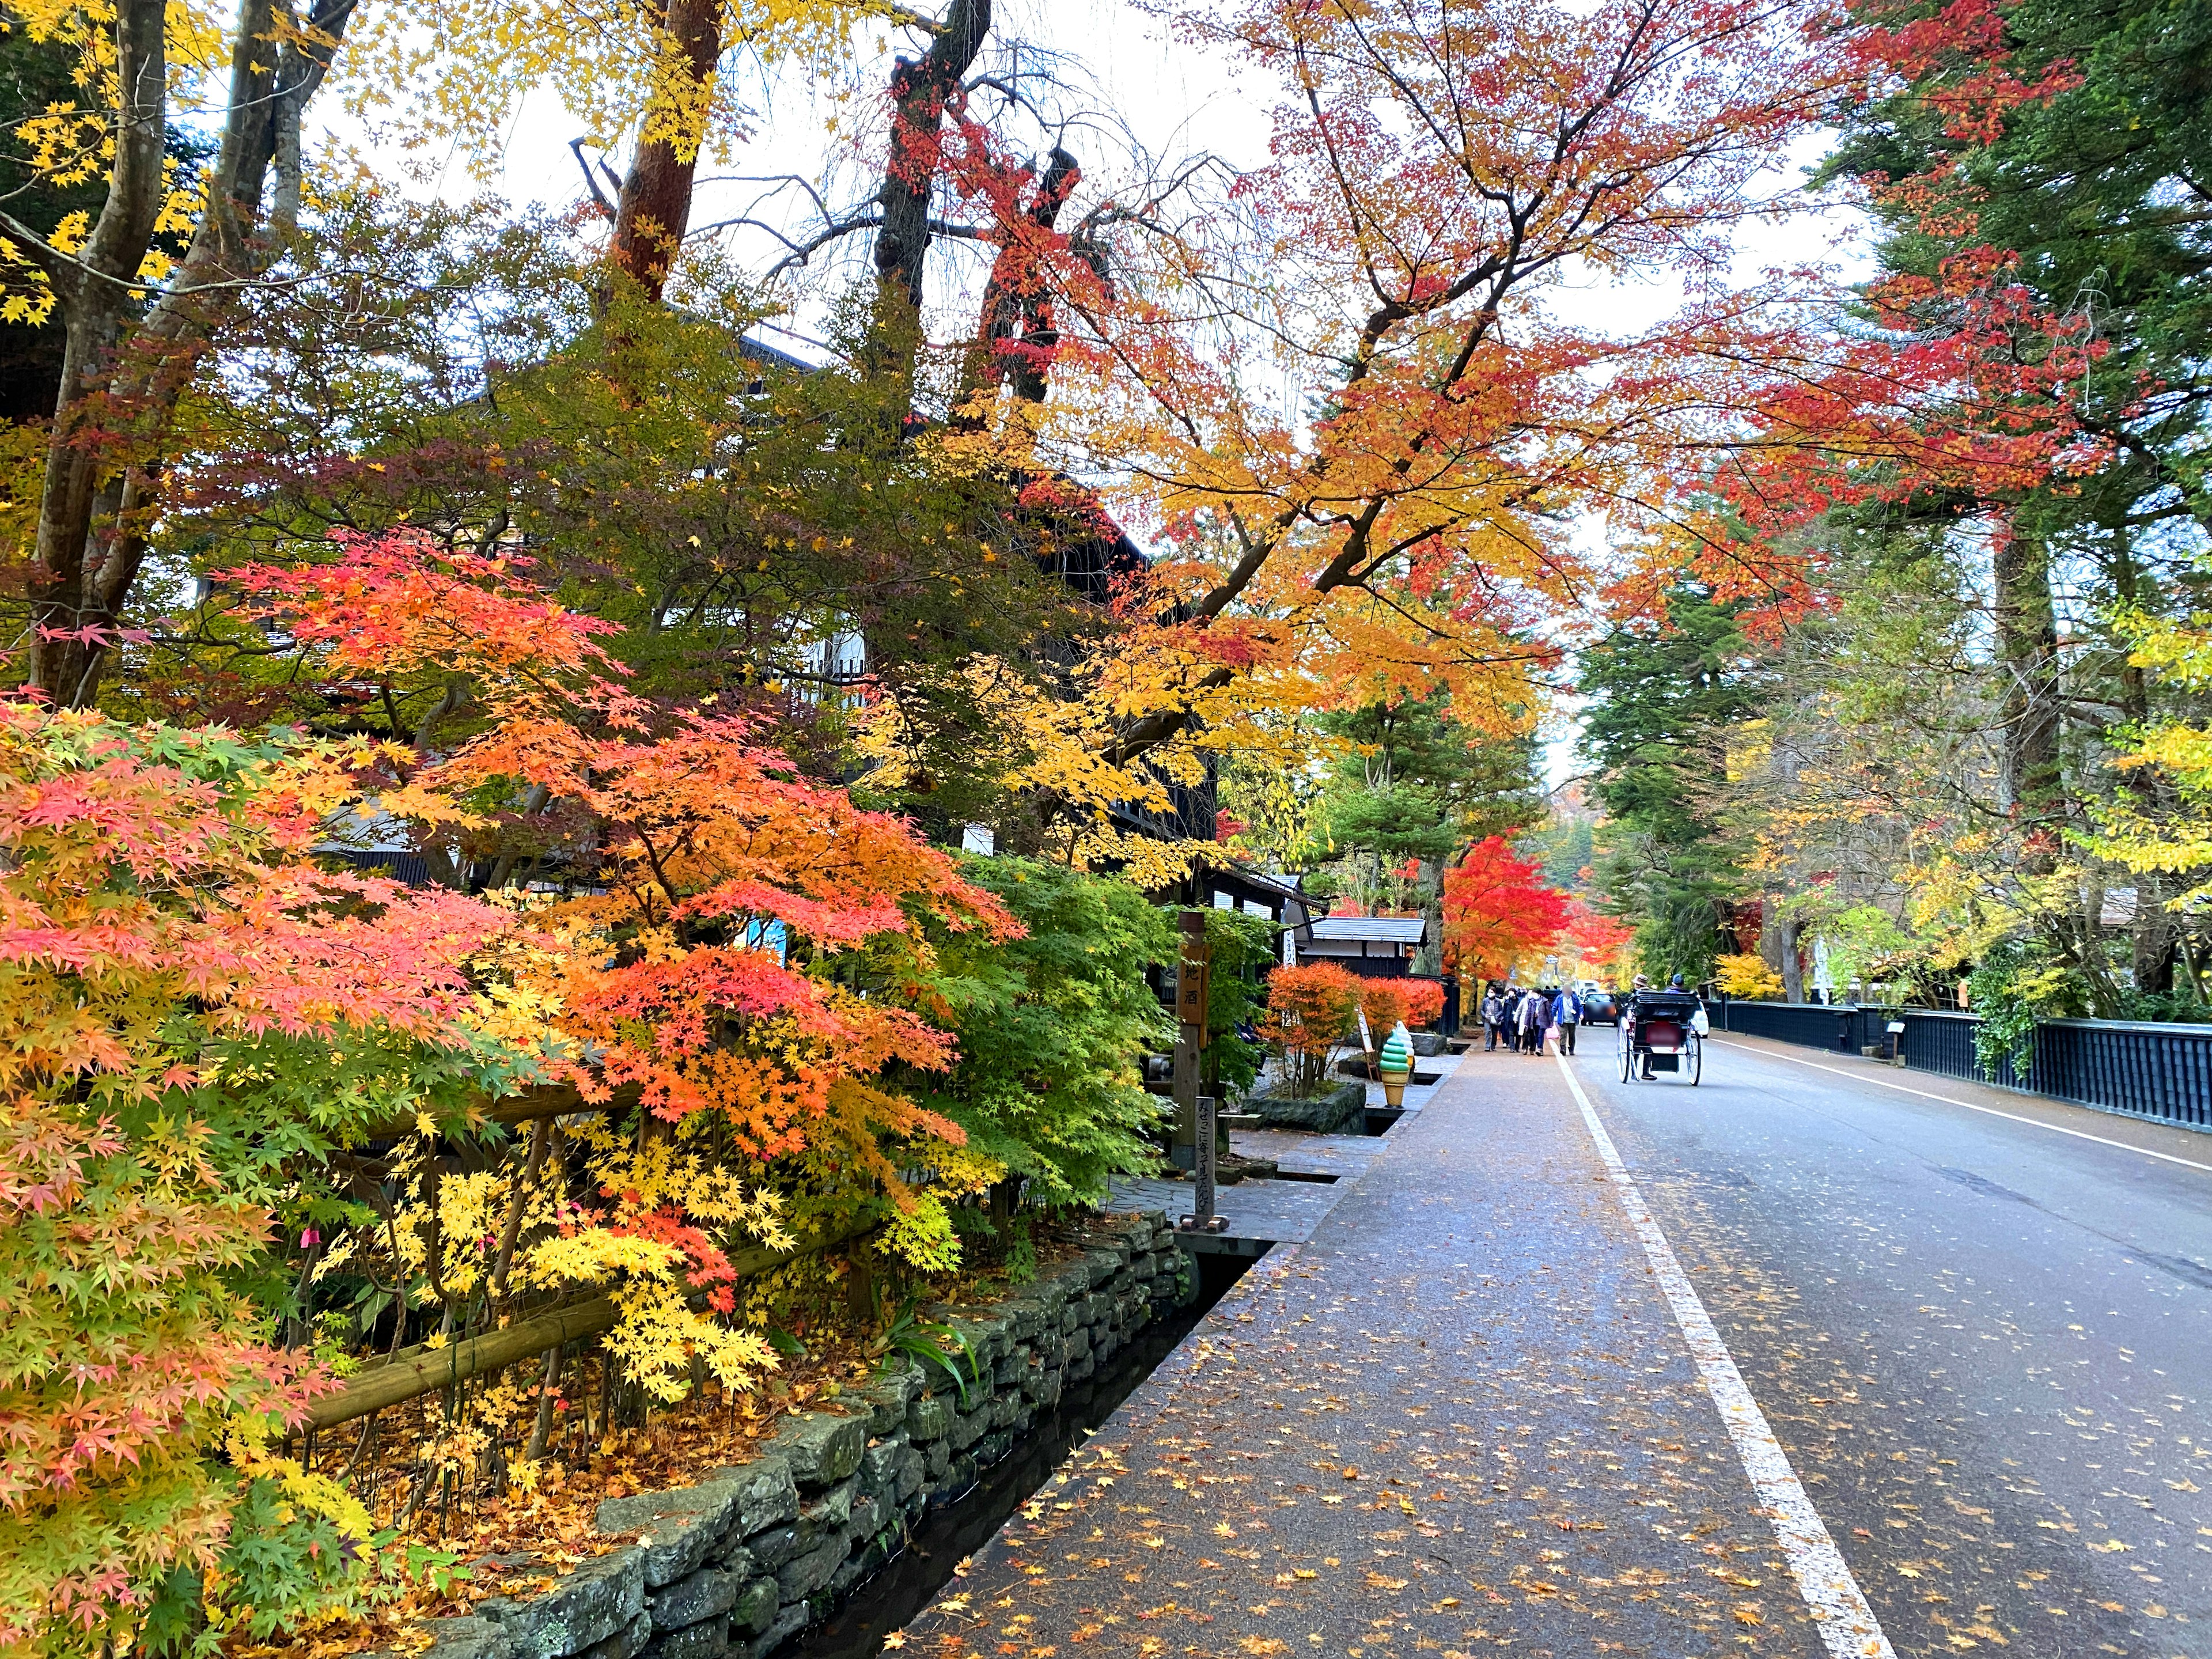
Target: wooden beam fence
528,1106
413,1372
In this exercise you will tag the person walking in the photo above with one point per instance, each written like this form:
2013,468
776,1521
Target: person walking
1567,1015
1493,1016
1533,1006
1515,995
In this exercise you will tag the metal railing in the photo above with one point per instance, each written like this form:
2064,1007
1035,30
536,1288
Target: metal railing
2141,1069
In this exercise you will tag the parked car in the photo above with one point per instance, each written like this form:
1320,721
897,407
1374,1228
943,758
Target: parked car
1601,1007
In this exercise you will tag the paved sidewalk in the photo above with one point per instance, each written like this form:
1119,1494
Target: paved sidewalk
1287,1212
1296,1152
1277,1211
1459,1419
1443,1067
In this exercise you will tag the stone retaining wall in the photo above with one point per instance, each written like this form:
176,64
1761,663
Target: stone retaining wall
1336,1109
739,1566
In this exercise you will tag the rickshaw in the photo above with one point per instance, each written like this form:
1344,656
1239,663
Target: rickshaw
1658,1033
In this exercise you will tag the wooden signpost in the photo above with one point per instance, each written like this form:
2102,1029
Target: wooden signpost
1195,1113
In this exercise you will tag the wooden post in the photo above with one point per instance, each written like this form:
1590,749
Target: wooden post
1197,1109
1190,1035
1201,1203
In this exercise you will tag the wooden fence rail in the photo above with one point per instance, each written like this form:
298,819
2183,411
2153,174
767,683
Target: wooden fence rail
415,1371
526,1106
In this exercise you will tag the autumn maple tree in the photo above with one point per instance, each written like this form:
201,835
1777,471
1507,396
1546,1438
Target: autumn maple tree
1311,1011
195,1013
1435,167
1601,941
727,917
1430,179
1499,910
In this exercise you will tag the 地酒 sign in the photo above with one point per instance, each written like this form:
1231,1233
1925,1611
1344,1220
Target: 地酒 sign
1191,969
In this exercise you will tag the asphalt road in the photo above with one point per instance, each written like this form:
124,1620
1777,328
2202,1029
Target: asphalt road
1986,1346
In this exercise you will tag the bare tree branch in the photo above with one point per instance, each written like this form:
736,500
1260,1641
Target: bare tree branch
591,180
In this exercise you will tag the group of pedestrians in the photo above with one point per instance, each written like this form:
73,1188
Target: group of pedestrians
1521,1017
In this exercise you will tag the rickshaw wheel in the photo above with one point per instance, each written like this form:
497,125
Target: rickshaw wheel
1624,1043
1695,1057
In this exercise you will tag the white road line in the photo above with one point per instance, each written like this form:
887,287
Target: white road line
1847,1624
1990,1111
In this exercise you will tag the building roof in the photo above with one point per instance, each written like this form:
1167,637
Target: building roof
1384,930
1244,883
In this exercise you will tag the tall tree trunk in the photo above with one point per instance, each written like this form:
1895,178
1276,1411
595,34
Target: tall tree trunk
1016,335
1432,912
920,93
653,209
2027,657
1792,932
92,293
104,460
2158,934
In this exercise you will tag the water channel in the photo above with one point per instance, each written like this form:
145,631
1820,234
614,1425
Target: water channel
950,1534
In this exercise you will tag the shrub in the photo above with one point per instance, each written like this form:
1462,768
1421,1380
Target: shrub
1053,1026
1242,949
1384,1002
1747,975
1311,1011
1424,1001
2018,982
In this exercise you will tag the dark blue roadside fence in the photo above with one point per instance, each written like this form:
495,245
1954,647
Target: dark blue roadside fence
1936,1042
2163,1072
1810,1024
